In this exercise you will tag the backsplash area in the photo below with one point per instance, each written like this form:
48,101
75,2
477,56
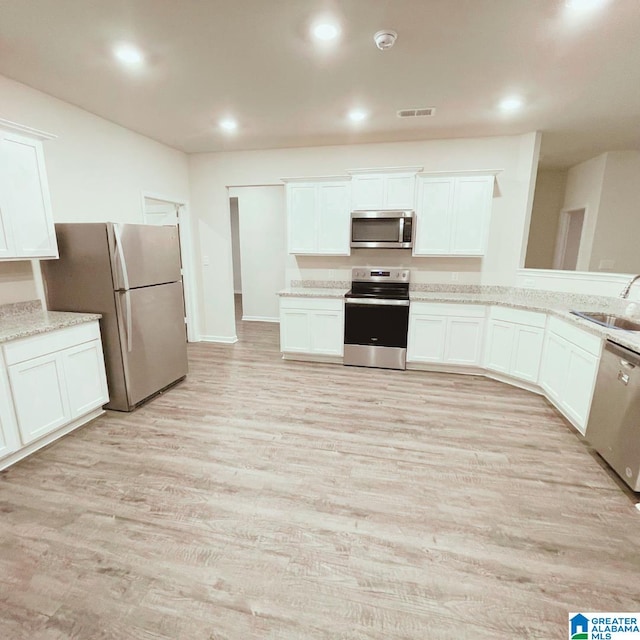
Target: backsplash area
16,282
427,270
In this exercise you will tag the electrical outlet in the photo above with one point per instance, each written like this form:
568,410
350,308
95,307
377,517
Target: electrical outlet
455,276
205,261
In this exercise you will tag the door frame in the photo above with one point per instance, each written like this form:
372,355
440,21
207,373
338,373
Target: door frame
186,250
563,234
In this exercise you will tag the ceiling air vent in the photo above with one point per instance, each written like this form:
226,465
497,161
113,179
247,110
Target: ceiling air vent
416,113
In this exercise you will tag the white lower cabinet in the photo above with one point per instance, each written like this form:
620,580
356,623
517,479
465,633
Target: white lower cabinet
569,370
54,379
9,439
445,333
40,396
313,326
514,342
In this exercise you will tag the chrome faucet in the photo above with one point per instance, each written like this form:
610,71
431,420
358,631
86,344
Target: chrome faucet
625,291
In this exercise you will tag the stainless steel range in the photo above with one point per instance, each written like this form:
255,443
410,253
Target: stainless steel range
377,318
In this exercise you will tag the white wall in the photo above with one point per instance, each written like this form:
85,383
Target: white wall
547,204
211,173
618,223
263,249
96,170
235,246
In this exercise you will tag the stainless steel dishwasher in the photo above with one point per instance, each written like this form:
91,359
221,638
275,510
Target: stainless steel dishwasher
614,422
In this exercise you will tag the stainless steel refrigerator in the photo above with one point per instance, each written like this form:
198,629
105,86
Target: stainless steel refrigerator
131,274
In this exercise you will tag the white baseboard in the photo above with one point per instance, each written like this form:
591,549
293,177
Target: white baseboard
304,357
465,370
260,319
221,339
49,438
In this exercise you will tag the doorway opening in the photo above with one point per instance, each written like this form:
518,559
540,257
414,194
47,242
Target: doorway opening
236,259
159,210
258,248
568,239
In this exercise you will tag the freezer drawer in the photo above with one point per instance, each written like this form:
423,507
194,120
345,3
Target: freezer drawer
153,339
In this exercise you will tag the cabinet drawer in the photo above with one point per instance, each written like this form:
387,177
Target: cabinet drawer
518,316
317,304
448,309
587,341
44,343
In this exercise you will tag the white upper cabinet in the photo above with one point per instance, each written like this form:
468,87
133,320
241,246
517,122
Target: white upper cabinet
26,219
319,216
383,189
453,213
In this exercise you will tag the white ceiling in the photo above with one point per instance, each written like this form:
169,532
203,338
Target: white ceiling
254,59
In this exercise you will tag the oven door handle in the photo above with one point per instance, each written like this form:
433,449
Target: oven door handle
378,302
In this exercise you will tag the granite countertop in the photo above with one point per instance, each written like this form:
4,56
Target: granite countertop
555,303
316,289
23,319
558,304
313,292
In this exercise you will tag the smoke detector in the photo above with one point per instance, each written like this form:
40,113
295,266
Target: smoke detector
385,39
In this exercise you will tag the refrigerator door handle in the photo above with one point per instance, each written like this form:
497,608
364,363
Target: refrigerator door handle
123,263
128,325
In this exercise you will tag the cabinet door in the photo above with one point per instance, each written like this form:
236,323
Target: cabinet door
433,216
464,341
367,192
327,332
399,191
334,219
582,368
426,338
9,438
500,343
294,331
39,396
527,350
555,363
471,212
25,197
85,378
6,244
301,214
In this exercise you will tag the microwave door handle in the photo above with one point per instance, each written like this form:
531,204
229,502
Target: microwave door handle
401,230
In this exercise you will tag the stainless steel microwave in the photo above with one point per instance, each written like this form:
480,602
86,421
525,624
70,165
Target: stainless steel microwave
382,229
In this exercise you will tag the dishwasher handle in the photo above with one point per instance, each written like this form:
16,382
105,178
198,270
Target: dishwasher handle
628,359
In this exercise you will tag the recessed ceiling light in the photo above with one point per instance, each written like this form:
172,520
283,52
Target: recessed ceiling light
128,54
228,124
585,5
325,31
512,103
357,115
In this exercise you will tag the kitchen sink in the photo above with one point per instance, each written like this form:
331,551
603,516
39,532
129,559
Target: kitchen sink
609,320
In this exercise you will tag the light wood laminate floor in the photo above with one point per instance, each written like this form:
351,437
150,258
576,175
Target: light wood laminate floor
264,499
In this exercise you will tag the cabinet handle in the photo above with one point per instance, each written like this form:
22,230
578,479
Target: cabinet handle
623,377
